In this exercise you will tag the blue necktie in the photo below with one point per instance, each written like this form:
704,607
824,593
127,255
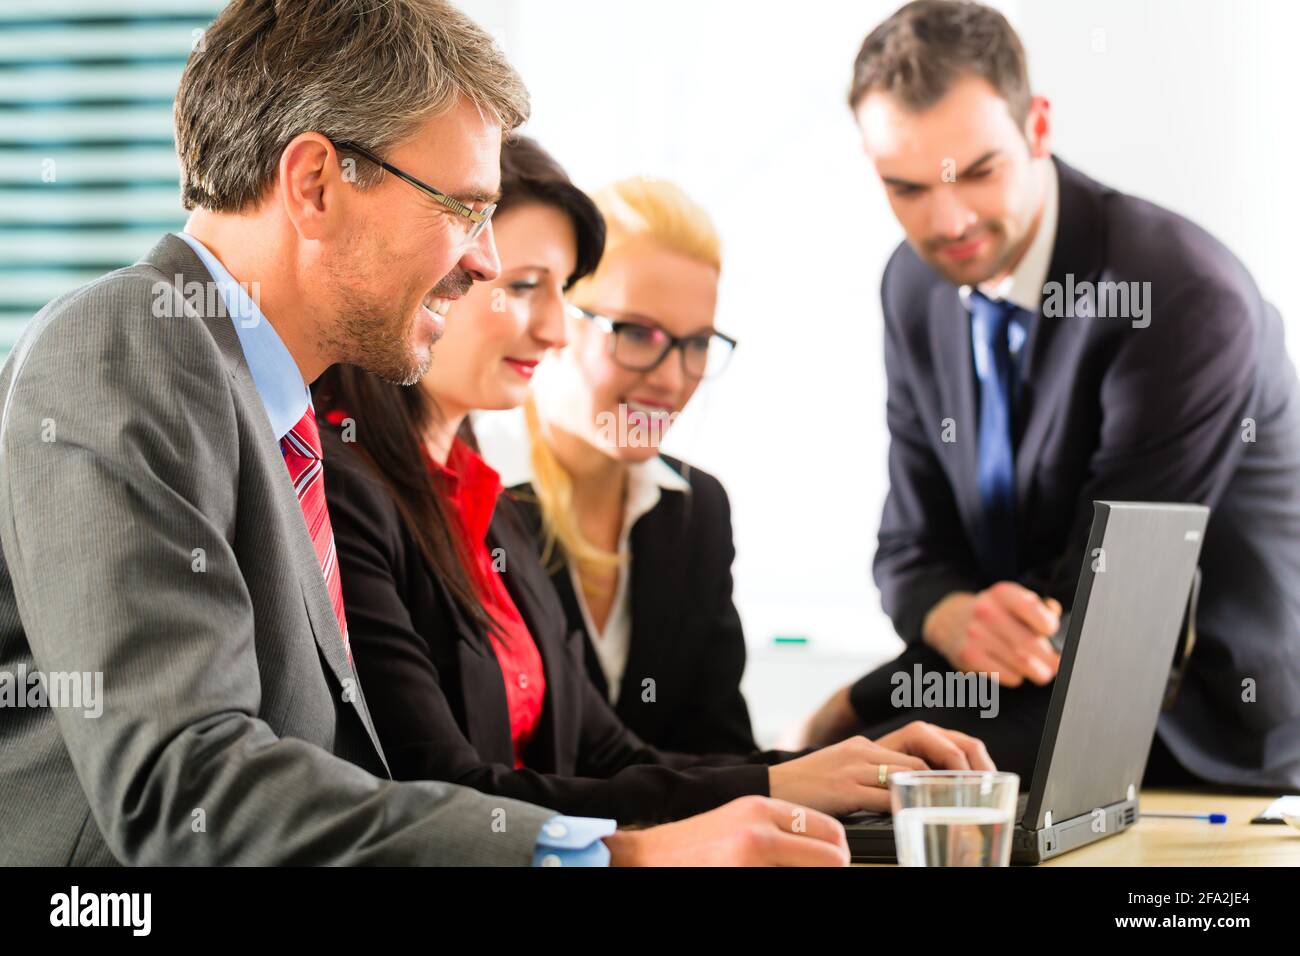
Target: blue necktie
990,323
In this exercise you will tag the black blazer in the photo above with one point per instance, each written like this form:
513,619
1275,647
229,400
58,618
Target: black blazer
1201,405
686,634
437,694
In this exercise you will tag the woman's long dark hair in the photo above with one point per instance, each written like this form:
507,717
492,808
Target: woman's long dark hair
388,425
391,420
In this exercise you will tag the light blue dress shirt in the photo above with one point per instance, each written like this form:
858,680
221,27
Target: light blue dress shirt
563,841
279,383
573,841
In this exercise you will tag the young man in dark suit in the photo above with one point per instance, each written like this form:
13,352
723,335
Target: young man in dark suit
1050,341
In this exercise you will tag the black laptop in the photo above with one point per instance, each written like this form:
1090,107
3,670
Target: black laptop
1130,607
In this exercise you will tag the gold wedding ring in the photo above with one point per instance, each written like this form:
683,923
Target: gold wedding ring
882,774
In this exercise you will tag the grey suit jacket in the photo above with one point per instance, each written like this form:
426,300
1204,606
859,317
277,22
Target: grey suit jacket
149,534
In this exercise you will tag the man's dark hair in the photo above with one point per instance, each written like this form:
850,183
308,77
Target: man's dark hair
926,46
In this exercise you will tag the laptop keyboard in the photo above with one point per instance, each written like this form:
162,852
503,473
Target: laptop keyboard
884,821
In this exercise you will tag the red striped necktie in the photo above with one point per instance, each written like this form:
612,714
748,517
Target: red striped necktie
302,456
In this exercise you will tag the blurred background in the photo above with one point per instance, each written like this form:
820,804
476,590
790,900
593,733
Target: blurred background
1189,103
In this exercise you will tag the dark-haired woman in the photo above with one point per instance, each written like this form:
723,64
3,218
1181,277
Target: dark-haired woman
471,672
639,545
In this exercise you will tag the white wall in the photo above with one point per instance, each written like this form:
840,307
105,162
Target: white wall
1187,102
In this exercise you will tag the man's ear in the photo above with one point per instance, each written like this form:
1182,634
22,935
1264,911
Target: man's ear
1038,127
310,184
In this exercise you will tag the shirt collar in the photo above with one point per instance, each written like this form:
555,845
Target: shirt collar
1024,286
285,396
646,482
503,440
472,488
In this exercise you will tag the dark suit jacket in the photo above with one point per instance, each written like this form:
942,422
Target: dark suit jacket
1199,406
686,634
436,689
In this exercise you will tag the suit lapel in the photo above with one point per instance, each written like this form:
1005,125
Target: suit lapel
482,686
1076,253
554,746
174,258
1050,355
562,581
658,580
523,506
951,347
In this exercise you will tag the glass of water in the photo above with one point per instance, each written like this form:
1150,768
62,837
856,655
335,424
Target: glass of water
953,817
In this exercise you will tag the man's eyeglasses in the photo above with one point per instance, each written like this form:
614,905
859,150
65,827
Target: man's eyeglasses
639,344
478,218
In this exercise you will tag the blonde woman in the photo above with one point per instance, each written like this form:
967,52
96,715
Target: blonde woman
639,545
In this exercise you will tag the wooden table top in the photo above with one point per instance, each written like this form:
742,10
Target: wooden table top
1157,842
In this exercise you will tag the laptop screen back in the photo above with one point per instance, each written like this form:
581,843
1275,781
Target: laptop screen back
1124,625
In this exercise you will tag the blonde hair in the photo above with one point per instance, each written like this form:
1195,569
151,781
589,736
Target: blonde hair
635,208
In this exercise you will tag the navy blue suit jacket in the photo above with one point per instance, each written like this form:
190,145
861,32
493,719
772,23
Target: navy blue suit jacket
1200,404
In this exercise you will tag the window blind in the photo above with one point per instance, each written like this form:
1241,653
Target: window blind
88,172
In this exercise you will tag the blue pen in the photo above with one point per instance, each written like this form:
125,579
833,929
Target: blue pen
1212,817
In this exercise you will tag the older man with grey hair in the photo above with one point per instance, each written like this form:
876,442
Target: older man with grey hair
162,517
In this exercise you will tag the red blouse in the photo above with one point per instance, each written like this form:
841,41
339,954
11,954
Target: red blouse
472,489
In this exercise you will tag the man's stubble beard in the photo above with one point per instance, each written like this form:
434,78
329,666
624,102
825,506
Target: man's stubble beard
1004,254
370,334
1010,250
